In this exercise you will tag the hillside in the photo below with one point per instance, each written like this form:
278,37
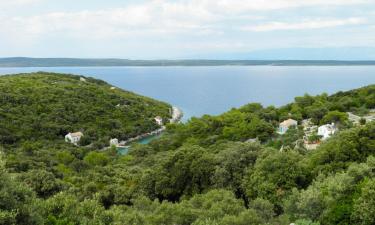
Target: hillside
231,169
46,106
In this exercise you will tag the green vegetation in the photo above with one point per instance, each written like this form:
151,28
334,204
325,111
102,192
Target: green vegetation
46,106
204,172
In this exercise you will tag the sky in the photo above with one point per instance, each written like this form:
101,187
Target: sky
180,29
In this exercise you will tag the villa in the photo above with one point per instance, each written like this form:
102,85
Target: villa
327,130
285,125
159,120
73,138
114,142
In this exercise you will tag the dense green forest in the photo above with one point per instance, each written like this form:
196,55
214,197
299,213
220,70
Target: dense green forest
46,106
203,172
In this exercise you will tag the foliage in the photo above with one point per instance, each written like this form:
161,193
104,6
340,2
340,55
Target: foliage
214,170
47,106
16,200
335,117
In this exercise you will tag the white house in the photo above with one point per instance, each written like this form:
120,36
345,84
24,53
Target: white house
285,125
113,141
327,130
159,120
82,79
73,137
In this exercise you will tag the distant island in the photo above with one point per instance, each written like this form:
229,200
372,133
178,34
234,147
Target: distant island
86,62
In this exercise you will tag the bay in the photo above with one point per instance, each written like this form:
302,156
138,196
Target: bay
214,90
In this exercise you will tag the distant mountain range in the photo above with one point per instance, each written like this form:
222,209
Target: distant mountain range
77,62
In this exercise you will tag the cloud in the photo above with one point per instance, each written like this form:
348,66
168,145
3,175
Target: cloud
264,5
183,23
307,24
153,17
162,16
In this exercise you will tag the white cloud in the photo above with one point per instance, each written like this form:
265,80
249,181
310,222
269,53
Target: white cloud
232,6
205,23
307,24
152,17
164,16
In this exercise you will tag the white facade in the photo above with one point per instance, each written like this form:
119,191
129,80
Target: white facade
113,141
159,120
73,138
285,125
327,130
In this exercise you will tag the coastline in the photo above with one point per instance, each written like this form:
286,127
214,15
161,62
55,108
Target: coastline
176,116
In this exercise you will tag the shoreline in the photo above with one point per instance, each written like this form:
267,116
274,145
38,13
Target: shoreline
176,114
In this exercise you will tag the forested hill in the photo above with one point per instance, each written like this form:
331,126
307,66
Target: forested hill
46,106
231,169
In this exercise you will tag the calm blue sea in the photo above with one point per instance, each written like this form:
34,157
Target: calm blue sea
214,90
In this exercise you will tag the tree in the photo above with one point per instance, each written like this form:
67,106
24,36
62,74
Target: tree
44,183
329,199
64,209
364,206
232,162
185,172
335,117
16,201
96,159
65,157
274,176
304,101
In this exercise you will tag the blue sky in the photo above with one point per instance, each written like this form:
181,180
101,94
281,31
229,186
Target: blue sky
175,29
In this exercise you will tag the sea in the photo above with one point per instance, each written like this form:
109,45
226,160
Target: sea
216,89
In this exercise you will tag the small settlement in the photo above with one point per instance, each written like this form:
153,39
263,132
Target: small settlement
314,134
